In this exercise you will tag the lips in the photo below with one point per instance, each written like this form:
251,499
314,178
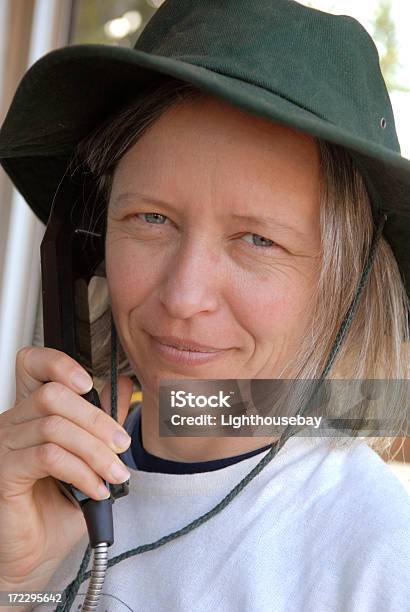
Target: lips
183,358
186,344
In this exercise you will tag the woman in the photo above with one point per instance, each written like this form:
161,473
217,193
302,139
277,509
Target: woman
243,219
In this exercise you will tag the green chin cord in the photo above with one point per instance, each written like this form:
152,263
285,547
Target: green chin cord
71,590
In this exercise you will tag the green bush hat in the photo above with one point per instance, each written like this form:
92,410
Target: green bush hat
279,60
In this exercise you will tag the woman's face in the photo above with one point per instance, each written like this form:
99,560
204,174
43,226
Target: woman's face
213,236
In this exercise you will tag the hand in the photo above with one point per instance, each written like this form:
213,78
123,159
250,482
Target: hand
51,432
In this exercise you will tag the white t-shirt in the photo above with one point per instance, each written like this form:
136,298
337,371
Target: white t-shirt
316,530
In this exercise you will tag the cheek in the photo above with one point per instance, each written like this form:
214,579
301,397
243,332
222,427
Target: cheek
131,273
276,307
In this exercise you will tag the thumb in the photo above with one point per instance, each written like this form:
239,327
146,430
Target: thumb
125,388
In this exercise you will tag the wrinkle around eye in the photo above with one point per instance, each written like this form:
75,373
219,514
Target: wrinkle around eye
127,224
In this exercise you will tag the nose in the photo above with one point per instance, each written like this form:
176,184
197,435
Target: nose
190,283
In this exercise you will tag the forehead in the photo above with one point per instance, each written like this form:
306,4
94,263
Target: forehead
216,121
210,145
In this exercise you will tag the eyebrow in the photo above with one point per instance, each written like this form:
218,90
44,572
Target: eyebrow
271,221
259,219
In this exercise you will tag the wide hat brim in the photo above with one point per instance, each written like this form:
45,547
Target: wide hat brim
70,91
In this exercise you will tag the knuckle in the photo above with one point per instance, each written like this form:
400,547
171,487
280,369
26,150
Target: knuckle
6,431
49,394
50,425
4,438
21,356
4,418
59,365
50,454
94,457
96,419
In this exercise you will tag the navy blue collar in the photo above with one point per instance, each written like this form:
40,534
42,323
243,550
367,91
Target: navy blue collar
151,463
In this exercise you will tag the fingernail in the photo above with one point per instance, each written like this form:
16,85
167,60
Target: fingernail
82,381
103,492
121,440
119,472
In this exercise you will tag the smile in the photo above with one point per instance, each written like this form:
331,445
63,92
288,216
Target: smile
182,356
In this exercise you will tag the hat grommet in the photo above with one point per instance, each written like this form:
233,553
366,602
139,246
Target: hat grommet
383,123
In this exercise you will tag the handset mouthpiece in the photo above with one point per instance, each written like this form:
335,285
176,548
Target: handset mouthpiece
97,513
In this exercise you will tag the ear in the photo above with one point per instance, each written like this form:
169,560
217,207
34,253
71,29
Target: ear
125,388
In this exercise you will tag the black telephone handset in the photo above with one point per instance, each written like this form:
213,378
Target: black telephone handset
70,256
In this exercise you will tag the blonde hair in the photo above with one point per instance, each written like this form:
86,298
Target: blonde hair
376,343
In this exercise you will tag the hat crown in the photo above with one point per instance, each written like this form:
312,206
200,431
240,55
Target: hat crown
326,64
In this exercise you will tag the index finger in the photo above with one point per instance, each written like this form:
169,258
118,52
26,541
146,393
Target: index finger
54,399
36,365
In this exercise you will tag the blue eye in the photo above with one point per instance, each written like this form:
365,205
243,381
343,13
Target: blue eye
156,216
264,242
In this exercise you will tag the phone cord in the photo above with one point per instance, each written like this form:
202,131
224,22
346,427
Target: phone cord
71,590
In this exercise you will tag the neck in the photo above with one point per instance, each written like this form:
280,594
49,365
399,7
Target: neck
191,449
